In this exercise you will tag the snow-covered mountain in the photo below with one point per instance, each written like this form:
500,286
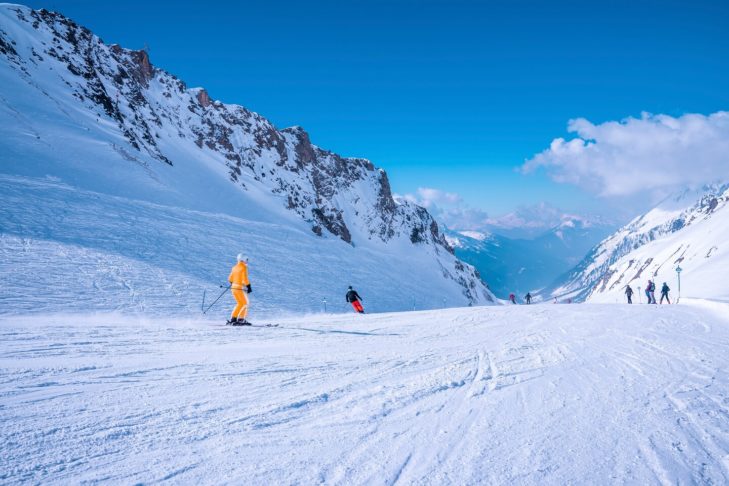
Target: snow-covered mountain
525,265
690,229
106,158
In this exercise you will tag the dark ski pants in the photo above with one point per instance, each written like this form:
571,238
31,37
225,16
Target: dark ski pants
665,296
630,299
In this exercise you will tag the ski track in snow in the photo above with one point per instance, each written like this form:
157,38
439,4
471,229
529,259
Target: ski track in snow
525,395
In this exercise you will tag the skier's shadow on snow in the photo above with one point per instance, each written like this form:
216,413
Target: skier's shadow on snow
338,331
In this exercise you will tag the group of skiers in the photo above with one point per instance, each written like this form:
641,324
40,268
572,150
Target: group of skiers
527,298
240,286
650,293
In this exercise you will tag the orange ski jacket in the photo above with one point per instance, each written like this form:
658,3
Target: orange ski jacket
238,277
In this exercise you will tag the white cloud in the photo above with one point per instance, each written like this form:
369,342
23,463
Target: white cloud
448,208
534,220
524,222
655,153
537,216
427,197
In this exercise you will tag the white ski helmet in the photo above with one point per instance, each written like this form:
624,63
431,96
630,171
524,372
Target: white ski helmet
242,258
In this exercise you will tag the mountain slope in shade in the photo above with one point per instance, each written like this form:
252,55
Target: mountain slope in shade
690,229
84,122
513,265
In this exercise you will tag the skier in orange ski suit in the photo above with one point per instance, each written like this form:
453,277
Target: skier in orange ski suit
238,279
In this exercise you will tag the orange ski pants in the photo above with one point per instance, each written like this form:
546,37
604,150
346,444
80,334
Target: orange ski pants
241,307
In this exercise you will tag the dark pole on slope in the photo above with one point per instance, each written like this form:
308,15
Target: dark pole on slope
216,300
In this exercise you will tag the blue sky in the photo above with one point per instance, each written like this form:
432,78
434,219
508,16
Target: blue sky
448,95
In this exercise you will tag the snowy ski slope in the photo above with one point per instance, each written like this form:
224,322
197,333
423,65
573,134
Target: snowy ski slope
543,394
68,250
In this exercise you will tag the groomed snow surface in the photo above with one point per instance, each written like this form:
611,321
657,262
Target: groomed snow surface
543,394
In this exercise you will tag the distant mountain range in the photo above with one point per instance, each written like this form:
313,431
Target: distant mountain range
522,265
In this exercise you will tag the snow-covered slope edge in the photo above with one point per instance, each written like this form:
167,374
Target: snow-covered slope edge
95,120
690,229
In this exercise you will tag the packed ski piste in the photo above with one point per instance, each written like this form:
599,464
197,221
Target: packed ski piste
540,394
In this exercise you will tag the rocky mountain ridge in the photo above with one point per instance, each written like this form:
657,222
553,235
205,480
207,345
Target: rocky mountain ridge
151,119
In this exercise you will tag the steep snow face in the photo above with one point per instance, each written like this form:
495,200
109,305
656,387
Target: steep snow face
76,113
476,235
689,230
541,394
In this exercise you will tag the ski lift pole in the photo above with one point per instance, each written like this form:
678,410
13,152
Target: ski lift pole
640,295
678,275
325,304
219,297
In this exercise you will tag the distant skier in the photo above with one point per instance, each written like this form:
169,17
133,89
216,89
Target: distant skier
648,291
512,298
648,288
528,298
238,279
664,293
653,292
354,299
629,294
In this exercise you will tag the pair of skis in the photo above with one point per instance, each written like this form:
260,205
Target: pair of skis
251,325
225,289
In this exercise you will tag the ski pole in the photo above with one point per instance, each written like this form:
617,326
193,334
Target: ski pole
216,300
